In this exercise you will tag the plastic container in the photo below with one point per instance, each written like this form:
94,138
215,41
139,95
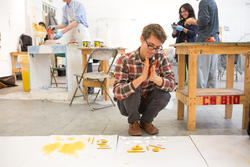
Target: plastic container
23,60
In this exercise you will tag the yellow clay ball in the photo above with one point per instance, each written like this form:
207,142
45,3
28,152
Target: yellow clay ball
137,147
155,149
104,141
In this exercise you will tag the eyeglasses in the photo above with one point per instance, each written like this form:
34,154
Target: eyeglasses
151,46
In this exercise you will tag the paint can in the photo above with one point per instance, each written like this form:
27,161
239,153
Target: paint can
86,44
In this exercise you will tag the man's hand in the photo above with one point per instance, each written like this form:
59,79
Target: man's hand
144,76
58,35
152,73
192,21
154,77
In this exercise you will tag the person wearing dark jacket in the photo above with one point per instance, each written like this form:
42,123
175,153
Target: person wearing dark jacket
208,26
185,32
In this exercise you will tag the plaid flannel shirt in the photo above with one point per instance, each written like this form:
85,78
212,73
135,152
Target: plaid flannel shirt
130,66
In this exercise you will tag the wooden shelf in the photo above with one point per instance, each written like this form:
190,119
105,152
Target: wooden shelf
220,96
214,92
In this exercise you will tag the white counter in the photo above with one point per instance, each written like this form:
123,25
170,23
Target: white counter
39,65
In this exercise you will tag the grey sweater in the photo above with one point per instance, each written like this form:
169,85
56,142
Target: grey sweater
208,21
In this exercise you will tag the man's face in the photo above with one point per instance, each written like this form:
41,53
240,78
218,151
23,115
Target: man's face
150,46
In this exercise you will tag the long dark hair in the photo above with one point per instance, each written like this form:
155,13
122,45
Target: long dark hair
189,9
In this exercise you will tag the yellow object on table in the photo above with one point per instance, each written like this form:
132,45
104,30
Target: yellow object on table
155,149
25,72
137,147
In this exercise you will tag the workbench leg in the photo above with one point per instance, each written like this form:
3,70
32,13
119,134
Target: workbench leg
106,83
229,83
191,117
245,117
13,65
180,108
85,92
192,82
181,84
84,88
246,105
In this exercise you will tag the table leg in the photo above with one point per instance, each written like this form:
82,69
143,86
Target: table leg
181,84
106,83
13,65
229,83
192,79
84,61
246,105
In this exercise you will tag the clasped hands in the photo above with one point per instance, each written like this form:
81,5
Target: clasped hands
149,73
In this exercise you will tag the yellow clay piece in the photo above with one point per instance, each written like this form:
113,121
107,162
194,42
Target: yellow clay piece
89,139
58,138
135,151
147,148
51,148
155,149
137,147
70,138
102,144
157,146
97,141
93,140
104,141
71,148
103,148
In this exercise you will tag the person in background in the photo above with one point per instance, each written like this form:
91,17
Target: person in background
208,26
74,27
43,24
184,32
143,80
74,23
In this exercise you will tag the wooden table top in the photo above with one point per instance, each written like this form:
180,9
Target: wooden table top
210,48
230,44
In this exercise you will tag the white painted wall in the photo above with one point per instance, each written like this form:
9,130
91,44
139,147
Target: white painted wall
16,18
234,16
120,23
117,22
12,25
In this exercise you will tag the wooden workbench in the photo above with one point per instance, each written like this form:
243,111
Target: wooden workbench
13,62
224,96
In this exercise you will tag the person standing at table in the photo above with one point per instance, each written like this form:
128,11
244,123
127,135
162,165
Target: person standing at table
74,23
208,26
74,27
184,32
143,80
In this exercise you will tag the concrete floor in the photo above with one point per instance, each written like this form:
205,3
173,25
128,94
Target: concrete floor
42,117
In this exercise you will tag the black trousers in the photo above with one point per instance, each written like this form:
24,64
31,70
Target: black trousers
136,107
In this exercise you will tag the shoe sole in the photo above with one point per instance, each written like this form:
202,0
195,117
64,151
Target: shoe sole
137,134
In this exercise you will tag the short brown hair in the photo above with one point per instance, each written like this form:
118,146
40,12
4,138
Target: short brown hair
156,30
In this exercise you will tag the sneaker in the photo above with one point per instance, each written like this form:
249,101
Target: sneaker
149,128
134,129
